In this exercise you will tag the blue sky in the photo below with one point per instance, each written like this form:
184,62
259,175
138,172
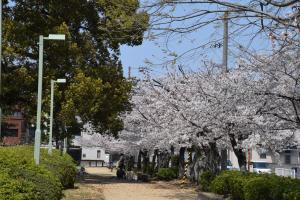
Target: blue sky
154,50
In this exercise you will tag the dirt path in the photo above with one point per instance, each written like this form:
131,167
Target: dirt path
101,184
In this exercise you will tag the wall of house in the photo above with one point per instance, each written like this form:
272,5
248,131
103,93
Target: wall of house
255,156
279,162
294,156
252,156
90,154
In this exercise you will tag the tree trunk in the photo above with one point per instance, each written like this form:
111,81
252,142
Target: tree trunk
213,158
224,159
139,161
173,162
57,142
145,161
239,153
204,159
130,163
163,159
154,162
181,162
197,165
190,173
241,156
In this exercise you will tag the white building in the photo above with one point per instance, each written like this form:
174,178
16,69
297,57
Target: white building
288,160
91,155
94,157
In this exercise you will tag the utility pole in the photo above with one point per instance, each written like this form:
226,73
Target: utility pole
129,72
1,67
225,70
225,43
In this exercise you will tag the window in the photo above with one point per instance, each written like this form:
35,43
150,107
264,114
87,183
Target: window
83,155
287,159
7,132
263,156
260,165
98,153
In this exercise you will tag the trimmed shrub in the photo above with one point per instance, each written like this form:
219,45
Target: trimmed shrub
257,189
272,187
205,180
21,179
292,190
8,187
252,186
222,183
167,174
62,166
295,195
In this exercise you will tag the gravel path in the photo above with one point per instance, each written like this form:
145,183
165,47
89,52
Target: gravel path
101,184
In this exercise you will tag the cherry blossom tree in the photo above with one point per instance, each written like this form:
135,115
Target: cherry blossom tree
255,105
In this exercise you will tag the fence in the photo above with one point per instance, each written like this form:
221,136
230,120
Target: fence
285,172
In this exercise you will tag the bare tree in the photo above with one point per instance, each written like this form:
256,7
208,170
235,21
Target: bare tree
254,24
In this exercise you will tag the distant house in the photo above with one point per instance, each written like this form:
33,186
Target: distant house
91,156
14,131
94,157
288,160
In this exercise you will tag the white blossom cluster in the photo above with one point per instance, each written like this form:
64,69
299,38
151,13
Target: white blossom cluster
254,105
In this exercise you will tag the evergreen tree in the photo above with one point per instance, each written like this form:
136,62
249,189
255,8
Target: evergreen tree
96,90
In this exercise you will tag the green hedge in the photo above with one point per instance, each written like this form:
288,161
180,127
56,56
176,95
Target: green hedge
21,179
62,166
252,186
205,180
167,174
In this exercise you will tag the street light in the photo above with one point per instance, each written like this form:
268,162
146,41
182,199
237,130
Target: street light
37,140
0,65
51,112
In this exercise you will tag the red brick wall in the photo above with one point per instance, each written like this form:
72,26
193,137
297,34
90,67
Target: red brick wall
14,123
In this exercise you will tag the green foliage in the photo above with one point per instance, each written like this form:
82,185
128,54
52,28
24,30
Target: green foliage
151,169
20,178
221,184
252,186
16,189
96,89
167,174
292,190
205,180
62,166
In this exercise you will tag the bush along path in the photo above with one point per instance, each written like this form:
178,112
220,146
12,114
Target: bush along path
251,186
21,179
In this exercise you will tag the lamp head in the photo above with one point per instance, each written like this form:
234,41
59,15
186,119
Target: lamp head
61,80
56,37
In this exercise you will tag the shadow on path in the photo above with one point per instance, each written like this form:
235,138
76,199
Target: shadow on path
103,179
